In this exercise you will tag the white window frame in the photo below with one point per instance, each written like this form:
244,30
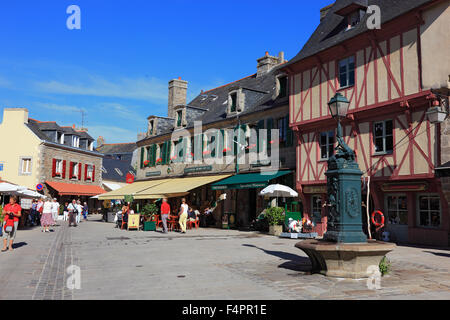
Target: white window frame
58,167
384,137
347,66
386,208
418,211
29,168
75,172
327,145
89,172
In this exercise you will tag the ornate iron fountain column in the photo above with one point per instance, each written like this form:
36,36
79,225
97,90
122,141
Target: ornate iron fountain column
344,195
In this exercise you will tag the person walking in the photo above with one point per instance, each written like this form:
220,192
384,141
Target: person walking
66,211
165,211
73,212
47,217
40,209
85,211
33,213
183,215
11,215
80,211
55,211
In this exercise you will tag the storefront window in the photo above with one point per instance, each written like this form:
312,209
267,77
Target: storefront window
316,208
397,210
429,207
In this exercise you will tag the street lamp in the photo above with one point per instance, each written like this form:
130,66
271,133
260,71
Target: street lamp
338,106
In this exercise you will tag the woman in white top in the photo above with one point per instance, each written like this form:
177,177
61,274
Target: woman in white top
183,215
80,211
47,219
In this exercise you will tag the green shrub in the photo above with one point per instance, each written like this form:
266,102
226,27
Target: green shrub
385,266
149,210
275,216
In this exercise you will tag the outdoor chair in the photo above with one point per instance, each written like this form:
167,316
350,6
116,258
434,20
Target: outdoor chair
195,223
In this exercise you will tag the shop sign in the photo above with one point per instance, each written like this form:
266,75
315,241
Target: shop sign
153,174
315,190
404,187
198,169
254,185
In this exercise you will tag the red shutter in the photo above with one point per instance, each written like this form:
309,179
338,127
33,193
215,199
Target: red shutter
54,168
64,169
93,173
85,172
71,170
80,168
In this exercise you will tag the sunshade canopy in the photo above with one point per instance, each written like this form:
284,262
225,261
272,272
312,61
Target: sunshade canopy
155,189
67,189
249,180
278,190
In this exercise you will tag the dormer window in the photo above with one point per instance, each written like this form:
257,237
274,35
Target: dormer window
282,86
354,18
151,126
233,105
235,101
179,118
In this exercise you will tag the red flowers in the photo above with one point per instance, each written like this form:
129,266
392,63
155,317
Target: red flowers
226,149
146,163
159,161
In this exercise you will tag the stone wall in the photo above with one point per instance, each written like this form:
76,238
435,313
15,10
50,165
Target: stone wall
48,153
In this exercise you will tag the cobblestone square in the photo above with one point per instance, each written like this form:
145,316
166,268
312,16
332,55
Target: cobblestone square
202,264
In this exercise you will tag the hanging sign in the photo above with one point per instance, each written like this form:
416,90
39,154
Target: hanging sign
130,178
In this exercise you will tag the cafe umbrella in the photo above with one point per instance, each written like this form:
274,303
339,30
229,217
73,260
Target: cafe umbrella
278,191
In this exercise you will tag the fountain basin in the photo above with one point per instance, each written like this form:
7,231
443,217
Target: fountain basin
344,260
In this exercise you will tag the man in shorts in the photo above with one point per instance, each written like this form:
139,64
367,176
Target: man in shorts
11,213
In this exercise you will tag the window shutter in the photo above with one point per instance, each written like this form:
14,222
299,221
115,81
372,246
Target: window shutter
220,143
85,172
269,133
259,126
54,168
71,170
154,149
142,157
93,173
80,168
64,169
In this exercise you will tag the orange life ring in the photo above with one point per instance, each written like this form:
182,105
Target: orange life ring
378,224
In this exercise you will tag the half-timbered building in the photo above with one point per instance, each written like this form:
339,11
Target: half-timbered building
391,76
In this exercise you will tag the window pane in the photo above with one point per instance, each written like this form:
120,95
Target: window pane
402,203
403,217
330,150
435,219
389,144
423,203
424,218
378,129
323,139
343,79
323,151
331,137
435,204
389,127
379,145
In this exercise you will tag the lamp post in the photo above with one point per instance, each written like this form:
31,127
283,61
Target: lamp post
344,185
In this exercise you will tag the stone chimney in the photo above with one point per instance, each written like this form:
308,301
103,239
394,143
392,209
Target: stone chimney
177,95
324,11
17,116
267,63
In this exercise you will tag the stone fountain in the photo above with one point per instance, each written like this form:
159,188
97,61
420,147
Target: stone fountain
345,250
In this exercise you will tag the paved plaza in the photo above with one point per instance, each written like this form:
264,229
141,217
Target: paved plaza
202,264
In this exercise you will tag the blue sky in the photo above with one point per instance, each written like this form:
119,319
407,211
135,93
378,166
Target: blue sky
117,67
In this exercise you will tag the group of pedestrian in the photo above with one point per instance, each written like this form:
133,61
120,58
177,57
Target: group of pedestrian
186,213
43,213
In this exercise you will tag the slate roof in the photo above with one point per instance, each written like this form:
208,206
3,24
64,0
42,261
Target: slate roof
38,128
321,39
258,92
117,148
111,174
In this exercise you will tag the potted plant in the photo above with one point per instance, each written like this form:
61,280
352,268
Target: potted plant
275,218
149,213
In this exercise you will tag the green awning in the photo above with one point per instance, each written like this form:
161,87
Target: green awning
249,180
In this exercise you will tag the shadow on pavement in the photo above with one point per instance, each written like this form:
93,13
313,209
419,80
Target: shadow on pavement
294,262
440,254
19,245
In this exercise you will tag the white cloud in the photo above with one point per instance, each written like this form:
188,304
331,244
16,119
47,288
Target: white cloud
151,89
112,134
60,108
